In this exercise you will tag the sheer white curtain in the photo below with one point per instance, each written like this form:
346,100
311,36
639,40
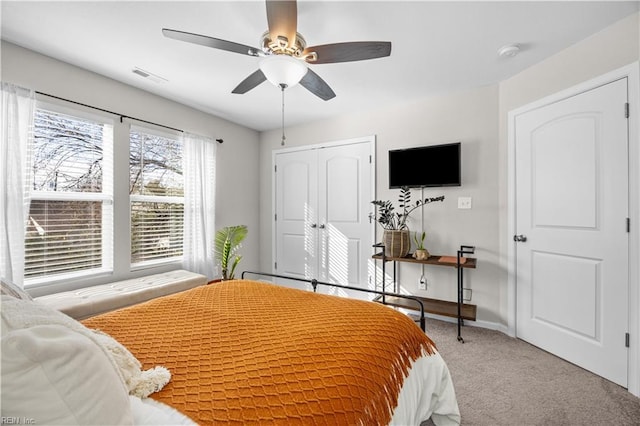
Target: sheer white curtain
199,204
16,140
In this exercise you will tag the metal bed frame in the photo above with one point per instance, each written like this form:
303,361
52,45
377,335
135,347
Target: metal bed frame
314,283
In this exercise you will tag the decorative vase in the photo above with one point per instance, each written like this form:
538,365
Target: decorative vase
396,242
421,254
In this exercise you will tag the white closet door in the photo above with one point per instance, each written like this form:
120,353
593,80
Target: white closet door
296,214
344,203
322,228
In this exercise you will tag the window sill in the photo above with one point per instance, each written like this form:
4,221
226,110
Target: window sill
74,277
152,264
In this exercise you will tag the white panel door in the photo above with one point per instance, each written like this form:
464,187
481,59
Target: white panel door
296,214
572,208
322,229
344,203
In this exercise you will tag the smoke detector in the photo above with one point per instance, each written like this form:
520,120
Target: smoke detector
509,51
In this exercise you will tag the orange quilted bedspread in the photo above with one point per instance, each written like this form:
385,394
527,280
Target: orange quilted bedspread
248,352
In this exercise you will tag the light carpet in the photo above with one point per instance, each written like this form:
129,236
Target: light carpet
500,380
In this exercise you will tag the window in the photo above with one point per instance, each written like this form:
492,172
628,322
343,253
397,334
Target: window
70,221
79,210
157,197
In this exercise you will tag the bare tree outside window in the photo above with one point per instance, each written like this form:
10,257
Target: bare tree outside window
155,165
157,191
71,201
64,231
67,154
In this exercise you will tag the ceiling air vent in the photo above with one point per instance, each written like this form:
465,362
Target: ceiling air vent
146,74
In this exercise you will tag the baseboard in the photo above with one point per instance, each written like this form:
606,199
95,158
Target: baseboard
482,324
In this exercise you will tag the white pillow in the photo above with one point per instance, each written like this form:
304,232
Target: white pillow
54,375
13,290
19,314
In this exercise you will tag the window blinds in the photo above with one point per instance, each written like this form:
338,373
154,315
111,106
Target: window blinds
71,210
157,197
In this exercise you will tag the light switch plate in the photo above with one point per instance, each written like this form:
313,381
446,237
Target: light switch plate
464,202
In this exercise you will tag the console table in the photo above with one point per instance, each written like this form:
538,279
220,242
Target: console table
457,309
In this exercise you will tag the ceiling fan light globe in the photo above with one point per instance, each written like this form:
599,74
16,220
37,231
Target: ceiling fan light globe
283,70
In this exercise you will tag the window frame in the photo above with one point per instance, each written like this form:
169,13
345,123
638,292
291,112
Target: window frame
106,197
119,180
166,199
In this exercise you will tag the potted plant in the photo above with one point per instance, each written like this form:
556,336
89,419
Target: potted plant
420,253
227,243
396,233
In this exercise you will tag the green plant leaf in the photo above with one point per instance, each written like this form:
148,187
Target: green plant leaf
233,267
226,243
391,220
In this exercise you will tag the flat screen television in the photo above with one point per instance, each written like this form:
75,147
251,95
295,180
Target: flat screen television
433,165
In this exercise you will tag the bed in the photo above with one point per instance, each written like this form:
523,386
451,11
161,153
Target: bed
250,352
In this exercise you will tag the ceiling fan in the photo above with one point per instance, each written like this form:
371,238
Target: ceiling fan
283,44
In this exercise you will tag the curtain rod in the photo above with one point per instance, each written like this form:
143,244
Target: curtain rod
116,113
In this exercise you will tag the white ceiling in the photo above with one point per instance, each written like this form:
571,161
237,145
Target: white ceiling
436,47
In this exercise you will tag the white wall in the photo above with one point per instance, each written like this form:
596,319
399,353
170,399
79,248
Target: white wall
614,47
478,118
470,117
237,158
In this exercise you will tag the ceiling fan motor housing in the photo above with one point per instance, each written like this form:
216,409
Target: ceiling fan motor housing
281,46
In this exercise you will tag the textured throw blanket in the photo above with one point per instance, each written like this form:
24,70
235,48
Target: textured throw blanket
249,352
19,314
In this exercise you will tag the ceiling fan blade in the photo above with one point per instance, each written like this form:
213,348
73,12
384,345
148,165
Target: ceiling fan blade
349,51
316,85
250,82
282,17
216,43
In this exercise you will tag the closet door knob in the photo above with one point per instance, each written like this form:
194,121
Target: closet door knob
322,226
314,225
520,238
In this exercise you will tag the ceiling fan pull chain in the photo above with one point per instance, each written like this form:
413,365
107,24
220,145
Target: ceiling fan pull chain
282,87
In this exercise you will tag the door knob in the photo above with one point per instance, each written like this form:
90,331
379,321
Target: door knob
314,225
321,226
520,238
